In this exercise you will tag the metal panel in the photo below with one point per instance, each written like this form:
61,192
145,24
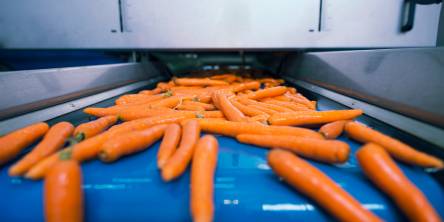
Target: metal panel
61,109
217,24
24,91
429,133
58,23
408,81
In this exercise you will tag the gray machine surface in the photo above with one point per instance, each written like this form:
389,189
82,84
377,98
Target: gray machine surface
407,81
28,90
219,24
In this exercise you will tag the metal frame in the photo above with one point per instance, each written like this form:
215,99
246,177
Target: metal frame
429,133
217,24
407,81
67,107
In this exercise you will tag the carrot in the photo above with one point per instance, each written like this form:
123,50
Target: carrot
322,150
198,82
164,86
246,86
139,98
130,143
90,148
247,110
151,92
298,98
145,112
190,107
289,105
229,128
313,183
63,194
333,129
263,109
169,102
113,110
396,148
313,117
202,179
179,161
206,106
292,90
229,110
90,129
263,119
13,143
169,143
52,141
269,92
276,108
383,171
222,76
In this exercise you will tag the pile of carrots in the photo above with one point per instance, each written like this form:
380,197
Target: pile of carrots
260,112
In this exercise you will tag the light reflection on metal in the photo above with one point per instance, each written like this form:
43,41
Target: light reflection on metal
287,207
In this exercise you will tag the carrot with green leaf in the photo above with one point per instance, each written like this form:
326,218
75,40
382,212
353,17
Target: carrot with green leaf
53,140
63,193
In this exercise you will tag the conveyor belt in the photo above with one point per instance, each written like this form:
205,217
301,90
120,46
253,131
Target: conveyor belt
245,188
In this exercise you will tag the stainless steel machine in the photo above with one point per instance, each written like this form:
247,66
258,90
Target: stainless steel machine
379,56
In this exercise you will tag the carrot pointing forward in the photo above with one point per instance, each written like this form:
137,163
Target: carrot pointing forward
169,143
313,183
54,139
383,171
178,163
202,179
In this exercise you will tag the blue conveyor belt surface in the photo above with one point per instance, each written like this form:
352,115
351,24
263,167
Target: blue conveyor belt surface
245,189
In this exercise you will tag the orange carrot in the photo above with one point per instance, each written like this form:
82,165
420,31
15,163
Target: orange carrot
13,143
263,109
289,105
322,150
129,143
229,128
198,82
292,90
276,108
269,92
313,117
396,148
63,194
164,86
90,129
179,161
202,179
246,86
169,102
387,176
190,107
298,98
247,110
169,143
90,148
263,119
311,182
53,140
206,106
333,129
145,112
139,98
229,110
151,92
